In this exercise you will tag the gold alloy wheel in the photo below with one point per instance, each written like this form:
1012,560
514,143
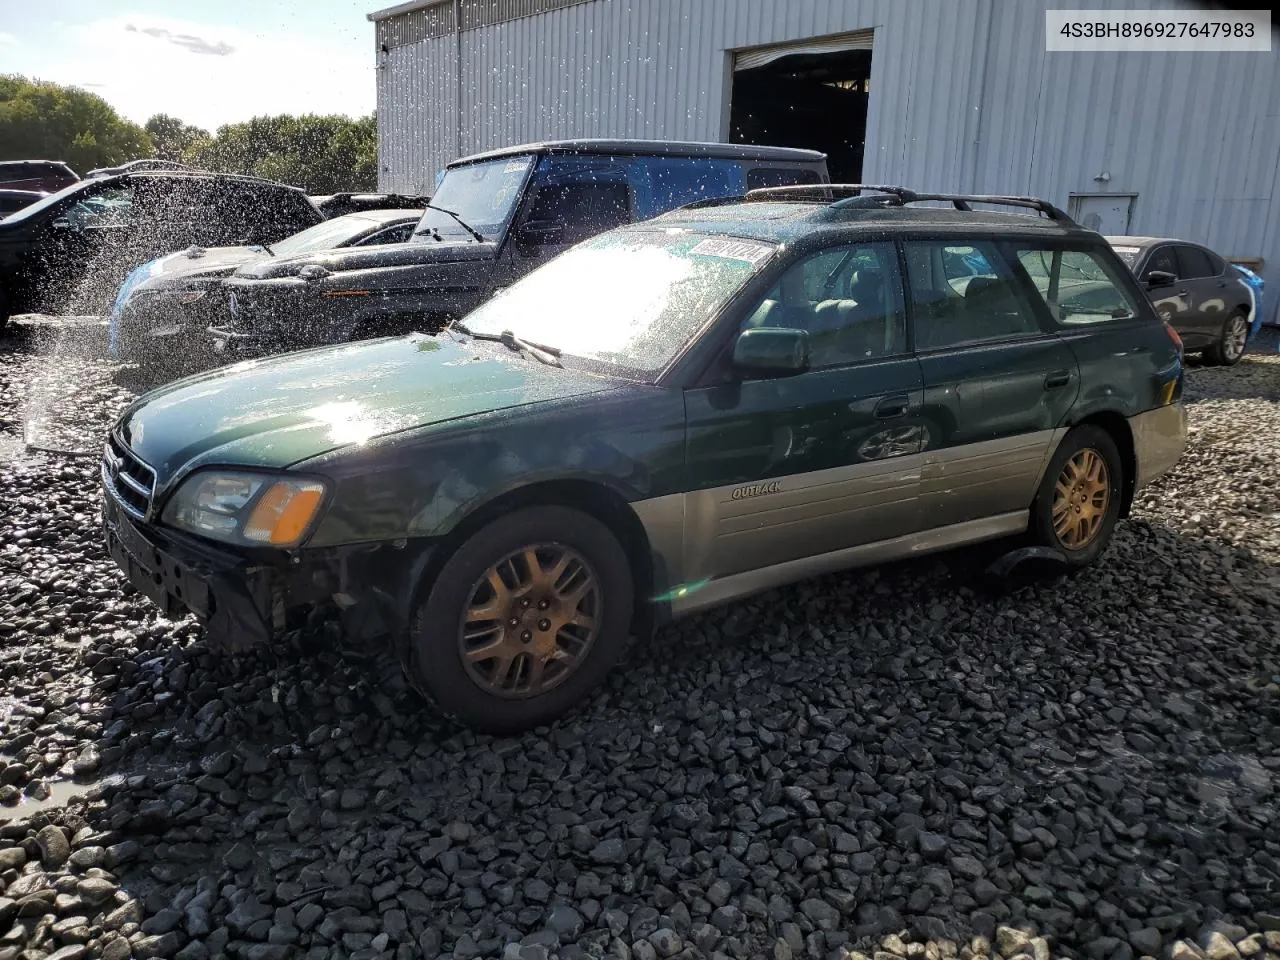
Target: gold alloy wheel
1081,498
530,622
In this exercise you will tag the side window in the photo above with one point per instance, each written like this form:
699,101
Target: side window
576,209
397,234
761,177
675,181
1078,286
111,207
962,263
848,299
953,309
1193,263
1163,259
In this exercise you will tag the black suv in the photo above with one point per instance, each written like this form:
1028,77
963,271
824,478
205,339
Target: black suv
494,217
670,416
70,251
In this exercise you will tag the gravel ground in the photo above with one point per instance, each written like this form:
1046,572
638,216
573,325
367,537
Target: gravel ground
901,762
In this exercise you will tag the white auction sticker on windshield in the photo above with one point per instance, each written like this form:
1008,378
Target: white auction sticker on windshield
731,248
514,166
1127,249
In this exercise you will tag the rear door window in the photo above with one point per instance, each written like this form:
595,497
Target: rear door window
670,182
952,307
1077,286
1193,263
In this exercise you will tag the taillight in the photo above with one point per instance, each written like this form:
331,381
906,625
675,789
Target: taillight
1173,334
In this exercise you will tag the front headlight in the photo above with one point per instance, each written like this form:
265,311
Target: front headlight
248,509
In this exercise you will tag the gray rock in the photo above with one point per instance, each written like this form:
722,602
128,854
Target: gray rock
565,921
54,848
666,941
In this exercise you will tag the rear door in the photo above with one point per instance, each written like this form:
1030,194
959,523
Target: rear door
799,466
997,383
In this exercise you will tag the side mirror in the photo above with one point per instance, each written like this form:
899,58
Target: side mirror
1160,278
771,352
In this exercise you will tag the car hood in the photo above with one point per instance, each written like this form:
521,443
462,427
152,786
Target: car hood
208,263
276,412
369,258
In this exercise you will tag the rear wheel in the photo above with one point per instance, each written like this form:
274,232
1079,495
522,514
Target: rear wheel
1231,342
1078,504
524,620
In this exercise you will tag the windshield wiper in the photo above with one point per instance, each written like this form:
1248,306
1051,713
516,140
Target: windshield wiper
462,223
267,248
548,355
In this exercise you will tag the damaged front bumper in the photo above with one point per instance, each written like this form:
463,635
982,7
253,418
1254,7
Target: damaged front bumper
248,601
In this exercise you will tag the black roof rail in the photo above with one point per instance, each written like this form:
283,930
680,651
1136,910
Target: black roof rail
961,201
847,196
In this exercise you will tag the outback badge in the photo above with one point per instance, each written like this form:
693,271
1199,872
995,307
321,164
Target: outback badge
754,490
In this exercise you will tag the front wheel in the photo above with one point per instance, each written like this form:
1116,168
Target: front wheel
1078,503
524,620
1231,342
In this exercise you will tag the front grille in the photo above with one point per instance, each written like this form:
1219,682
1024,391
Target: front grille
130,481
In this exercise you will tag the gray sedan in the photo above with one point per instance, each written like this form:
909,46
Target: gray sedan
1205,299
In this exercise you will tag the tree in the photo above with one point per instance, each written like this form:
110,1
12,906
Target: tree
47,121
322,154
174,139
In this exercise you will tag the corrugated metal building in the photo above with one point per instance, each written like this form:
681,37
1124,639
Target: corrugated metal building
956,95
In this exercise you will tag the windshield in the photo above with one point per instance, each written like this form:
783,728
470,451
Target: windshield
323,236
627,299
40,206
1128,254
483,194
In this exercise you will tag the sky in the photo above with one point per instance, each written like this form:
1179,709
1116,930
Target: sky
207,62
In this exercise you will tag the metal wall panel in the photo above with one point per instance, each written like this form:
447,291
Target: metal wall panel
963,96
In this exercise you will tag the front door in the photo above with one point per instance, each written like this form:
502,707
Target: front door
74,243
997,385
1206,292
804,465
570,199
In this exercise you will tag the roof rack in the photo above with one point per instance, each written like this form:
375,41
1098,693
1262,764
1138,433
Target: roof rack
852,196
897,196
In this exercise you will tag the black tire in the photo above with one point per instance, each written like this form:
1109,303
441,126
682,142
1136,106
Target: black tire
1042,529
434,649
1232,340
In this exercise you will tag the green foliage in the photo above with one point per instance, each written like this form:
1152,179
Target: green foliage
322,154
46,121
174,139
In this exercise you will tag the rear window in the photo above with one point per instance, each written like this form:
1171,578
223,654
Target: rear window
1078,286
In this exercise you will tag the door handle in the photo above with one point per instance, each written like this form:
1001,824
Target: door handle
891,407
1183,293
1059,378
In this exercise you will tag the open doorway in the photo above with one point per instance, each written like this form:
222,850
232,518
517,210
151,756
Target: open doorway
810,94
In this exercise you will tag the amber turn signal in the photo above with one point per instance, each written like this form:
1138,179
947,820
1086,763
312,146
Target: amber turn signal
284,513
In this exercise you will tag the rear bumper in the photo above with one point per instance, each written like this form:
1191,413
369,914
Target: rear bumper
246,602
1159,438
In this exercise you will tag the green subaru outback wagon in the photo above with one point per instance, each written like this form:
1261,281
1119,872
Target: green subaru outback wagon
667,417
